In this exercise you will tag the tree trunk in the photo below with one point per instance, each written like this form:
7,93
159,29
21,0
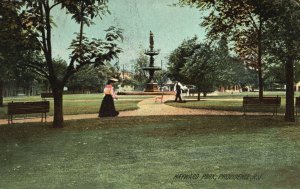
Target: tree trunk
289,74
1,93
198,96
259,63
58,119
260,81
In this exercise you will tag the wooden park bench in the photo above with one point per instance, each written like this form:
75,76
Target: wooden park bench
297,104
265,102
14,108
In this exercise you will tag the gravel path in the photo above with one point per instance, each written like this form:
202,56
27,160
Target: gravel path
150,107
146,107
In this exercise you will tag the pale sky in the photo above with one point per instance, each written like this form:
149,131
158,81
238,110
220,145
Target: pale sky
170,26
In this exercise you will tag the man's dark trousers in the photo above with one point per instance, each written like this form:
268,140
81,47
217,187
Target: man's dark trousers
178,93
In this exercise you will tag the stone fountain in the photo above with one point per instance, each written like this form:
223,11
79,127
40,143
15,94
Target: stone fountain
151,86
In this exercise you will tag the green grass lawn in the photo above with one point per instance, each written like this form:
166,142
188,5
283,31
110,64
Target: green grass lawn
239,95
229,102
80,103
152,152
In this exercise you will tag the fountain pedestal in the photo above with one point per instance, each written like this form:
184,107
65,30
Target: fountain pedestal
151,87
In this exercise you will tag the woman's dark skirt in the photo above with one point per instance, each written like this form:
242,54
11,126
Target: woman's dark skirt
107,108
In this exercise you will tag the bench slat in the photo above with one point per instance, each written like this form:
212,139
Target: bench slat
273,102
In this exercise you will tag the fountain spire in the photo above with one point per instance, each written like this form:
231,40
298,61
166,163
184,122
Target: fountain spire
151,40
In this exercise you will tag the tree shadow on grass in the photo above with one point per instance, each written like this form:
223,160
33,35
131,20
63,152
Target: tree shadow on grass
218,125
24,131
152,126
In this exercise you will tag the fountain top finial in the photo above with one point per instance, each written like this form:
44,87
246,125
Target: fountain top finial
151,51
151,40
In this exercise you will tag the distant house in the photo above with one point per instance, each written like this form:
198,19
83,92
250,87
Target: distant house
232,88
297,86
126,74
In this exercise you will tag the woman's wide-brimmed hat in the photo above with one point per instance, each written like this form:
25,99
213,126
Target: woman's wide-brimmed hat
113,79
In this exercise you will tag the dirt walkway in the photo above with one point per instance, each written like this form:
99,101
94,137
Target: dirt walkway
146,107
150,107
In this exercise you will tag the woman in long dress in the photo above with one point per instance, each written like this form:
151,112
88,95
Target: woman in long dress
107,108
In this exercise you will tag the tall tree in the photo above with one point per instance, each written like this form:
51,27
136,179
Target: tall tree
91,78
139,76
280,23
201,70
7,22
179,57
206,66
37,19
15,46
242,22
284,43
234,70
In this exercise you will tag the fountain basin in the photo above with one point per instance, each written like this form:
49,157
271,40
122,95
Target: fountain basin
151,68
151,53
